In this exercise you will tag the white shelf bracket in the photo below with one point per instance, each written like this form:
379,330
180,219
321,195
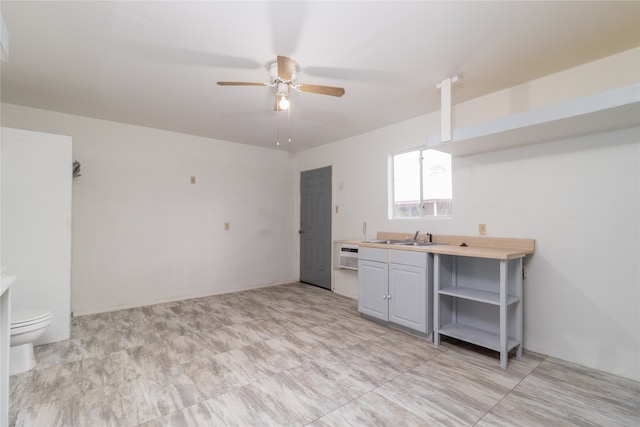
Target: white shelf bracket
445,107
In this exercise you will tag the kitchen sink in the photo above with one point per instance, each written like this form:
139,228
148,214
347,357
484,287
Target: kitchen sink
402,242
412,244
417,244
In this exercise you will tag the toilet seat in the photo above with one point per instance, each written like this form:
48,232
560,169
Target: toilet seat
22,318
27,326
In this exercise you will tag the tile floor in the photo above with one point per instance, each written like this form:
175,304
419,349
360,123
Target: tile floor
296,355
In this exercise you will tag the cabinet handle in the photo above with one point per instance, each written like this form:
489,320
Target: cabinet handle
384,297
388,296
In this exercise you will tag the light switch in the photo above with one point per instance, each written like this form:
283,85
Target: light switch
227,226
193,179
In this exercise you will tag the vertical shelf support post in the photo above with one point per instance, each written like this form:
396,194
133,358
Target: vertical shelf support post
445,107
519,323
436,297
504,355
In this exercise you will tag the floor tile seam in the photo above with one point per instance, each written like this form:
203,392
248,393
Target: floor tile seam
375,388
412,370
441,353
147,399
515,386
408,409
258,378
339,407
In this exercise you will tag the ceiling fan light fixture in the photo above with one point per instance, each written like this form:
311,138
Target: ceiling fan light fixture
283,102
282,96
283,74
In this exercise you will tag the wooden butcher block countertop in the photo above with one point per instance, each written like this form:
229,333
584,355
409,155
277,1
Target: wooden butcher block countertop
479,247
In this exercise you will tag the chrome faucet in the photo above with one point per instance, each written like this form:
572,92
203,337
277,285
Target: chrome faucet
415,237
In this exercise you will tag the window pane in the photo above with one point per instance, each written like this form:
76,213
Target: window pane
406,185
436,175
422,192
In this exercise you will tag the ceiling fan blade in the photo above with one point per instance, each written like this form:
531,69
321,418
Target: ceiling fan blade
242,84
322,90
286,67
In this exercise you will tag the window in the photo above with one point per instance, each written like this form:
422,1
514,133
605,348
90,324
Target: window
421,184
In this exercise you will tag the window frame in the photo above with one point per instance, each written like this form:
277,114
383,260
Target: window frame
391,187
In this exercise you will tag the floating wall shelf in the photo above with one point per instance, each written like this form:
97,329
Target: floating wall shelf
606,111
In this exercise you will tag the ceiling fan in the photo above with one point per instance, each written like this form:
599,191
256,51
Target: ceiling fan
283,74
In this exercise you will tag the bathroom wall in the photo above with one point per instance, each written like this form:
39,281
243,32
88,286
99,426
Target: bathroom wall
36,223
143,234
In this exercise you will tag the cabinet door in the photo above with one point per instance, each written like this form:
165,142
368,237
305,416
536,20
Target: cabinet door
408,296
373,287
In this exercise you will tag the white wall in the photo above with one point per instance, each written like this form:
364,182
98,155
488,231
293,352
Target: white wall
36,224
579,199
143,234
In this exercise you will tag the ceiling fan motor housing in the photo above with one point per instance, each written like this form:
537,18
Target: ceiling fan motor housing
274,77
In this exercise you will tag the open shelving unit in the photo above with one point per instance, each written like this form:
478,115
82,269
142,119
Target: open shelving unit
477,295
601,112
477,336
479,301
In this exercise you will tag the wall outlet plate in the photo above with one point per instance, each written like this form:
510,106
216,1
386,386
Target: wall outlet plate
482,229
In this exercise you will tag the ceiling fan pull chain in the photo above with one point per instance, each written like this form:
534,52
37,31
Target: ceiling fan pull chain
277,131
289,112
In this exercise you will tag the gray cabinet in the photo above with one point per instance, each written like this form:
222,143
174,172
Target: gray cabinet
373,288
394,286
479,300
410,290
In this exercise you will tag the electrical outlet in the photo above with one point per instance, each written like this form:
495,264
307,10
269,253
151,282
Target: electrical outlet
227,226
482,229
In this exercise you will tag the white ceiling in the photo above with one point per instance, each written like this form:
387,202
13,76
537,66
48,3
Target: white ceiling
155,63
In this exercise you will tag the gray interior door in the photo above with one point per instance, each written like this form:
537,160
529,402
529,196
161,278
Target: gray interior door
315,227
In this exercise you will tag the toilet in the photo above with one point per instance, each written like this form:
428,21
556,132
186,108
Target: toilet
26,327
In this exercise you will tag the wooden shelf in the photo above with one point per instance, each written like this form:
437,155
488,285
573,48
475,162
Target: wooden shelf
606,111
476,295
476,336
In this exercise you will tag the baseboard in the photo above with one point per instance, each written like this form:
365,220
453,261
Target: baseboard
108,309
